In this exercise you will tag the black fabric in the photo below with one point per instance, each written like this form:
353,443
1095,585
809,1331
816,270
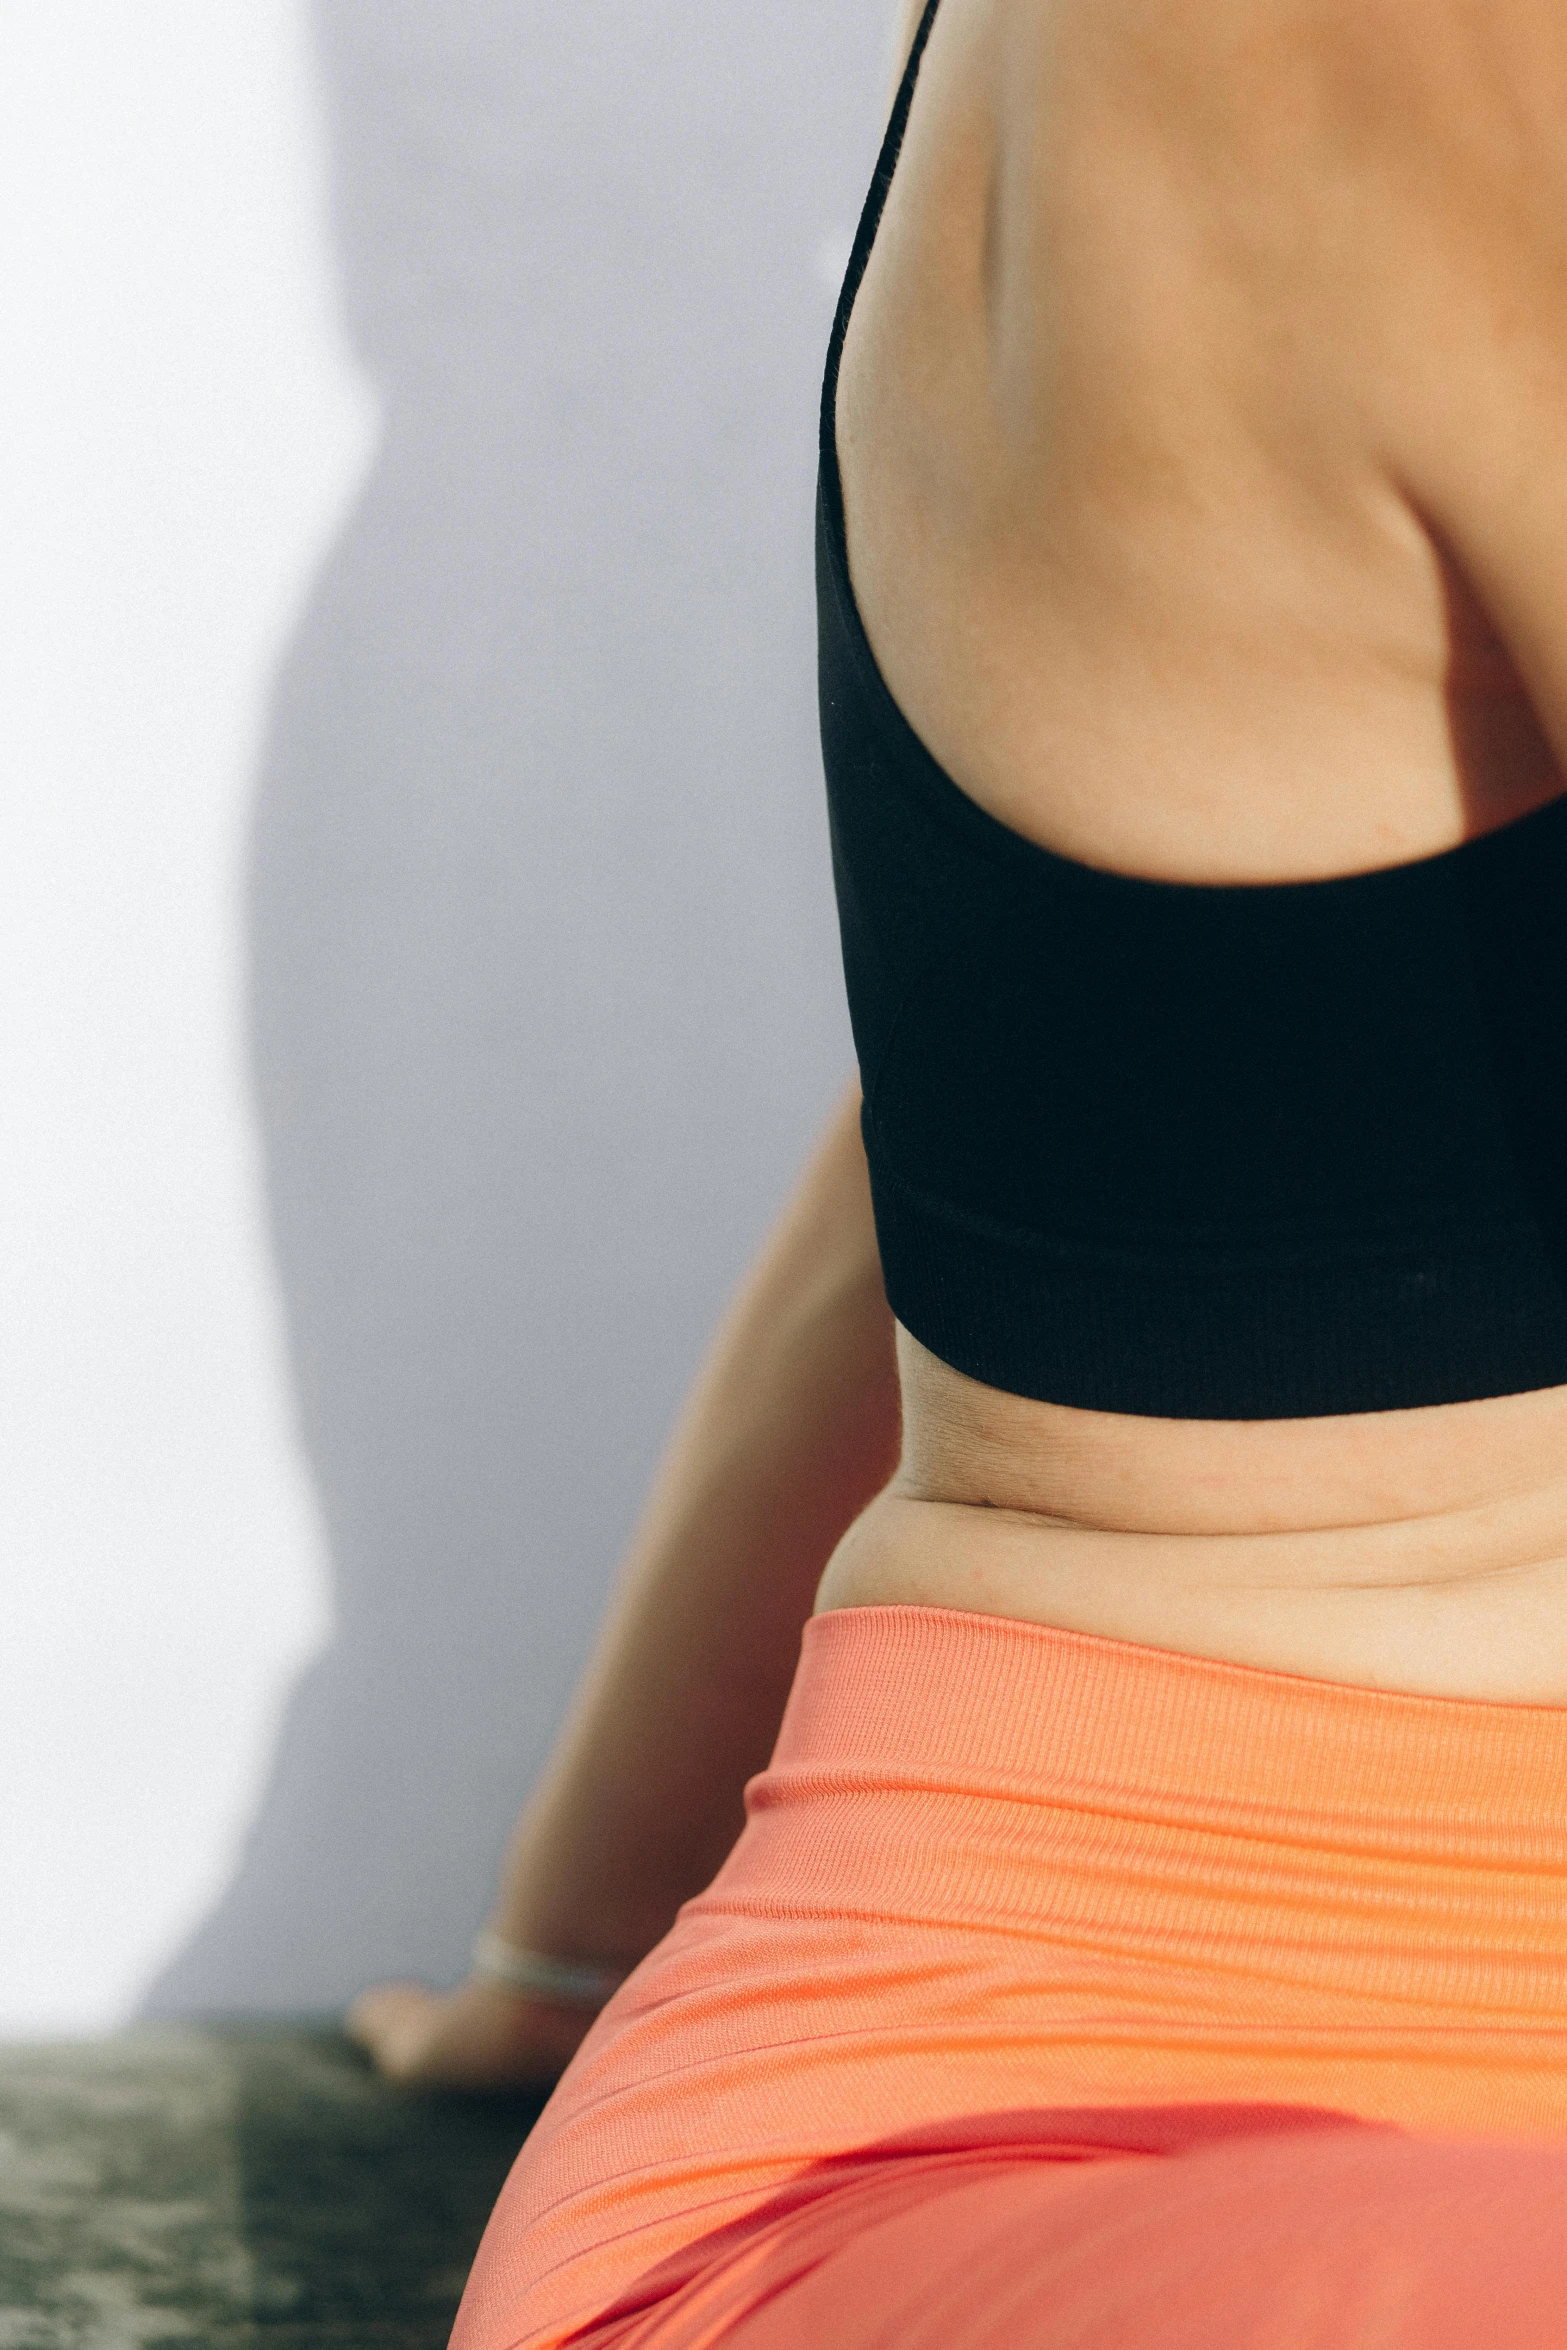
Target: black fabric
1194,1152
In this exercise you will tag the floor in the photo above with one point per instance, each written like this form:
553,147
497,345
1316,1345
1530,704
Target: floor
236,2189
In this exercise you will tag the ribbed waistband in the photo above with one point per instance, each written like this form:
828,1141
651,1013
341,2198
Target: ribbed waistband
1361,1896
974,1702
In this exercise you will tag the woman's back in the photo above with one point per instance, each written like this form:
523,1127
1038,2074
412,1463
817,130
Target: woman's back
1054,1980
1202,362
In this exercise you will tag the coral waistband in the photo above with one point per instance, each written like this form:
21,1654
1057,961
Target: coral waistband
1032,1711
1182,1828
1003,1877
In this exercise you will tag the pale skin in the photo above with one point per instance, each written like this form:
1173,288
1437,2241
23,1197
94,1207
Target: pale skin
1204,436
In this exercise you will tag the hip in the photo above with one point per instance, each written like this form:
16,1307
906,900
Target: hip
998,1874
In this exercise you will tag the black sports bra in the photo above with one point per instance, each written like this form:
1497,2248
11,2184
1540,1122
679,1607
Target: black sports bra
1238,1153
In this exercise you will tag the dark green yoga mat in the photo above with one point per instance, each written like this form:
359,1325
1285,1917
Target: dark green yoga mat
236,2188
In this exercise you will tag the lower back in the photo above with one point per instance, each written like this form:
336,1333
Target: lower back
1423,1551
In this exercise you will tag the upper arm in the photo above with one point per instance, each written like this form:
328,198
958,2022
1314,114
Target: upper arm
1463,170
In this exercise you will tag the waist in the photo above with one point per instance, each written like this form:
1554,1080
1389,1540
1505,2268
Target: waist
1419,1551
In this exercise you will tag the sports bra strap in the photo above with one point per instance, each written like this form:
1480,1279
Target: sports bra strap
870,223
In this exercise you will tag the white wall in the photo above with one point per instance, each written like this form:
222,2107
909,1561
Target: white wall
181,430
454,799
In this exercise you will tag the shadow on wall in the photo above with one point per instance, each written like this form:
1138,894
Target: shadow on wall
546,997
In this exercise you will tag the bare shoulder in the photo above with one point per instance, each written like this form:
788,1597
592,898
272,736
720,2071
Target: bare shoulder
1465,69
1447,120
1463,103
1401,162
1381,84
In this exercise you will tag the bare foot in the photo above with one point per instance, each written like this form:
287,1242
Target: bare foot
480,2036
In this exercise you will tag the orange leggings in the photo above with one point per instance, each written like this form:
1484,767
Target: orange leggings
1065,1993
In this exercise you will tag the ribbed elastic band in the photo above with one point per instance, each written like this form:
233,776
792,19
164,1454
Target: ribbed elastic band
939,1695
